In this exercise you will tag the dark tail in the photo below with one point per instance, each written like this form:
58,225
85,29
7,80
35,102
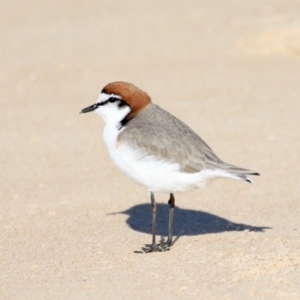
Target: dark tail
240,173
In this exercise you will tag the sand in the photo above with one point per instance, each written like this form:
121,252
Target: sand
70,222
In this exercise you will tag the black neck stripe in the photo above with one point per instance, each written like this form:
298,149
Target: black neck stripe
126,120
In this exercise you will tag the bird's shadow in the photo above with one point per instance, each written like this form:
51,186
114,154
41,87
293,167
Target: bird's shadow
186,221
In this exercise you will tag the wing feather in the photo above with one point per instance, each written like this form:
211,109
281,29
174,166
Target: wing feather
156,132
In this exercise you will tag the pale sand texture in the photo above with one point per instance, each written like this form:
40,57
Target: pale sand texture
229,69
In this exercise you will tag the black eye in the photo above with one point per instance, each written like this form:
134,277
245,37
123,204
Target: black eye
112,100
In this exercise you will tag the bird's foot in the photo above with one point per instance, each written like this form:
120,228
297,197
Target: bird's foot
156,247
165,244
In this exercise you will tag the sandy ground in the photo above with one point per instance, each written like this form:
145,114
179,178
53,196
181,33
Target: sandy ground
71,222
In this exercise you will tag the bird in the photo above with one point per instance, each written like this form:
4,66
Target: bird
157,150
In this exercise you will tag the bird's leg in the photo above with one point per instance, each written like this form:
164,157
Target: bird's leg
171,203
153,247
153,209
167,244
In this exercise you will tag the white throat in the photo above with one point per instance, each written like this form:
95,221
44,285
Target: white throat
112,114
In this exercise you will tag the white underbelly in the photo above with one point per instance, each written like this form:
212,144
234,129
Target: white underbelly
156,175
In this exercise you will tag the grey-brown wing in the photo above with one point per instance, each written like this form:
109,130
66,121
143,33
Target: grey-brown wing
156,132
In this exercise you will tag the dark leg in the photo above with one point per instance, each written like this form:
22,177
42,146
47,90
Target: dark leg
153,209
167,244
153,247
171,203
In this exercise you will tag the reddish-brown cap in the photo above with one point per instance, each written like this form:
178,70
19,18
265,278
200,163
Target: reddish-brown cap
132,95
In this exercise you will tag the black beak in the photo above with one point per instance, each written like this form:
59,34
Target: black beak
89,108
